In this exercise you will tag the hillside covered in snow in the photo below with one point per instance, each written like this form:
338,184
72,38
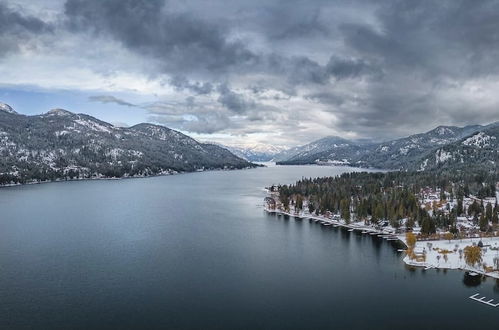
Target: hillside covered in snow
480,148
60,145
444,146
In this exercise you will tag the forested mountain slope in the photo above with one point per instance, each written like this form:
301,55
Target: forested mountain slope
61,144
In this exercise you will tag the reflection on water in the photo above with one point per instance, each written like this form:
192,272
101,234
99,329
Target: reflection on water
496,285
472,280
196,252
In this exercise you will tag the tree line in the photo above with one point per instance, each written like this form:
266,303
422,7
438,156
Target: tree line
389,197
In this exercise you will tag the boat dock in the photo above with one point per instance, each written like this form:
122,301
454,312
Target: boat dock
484,300
328,222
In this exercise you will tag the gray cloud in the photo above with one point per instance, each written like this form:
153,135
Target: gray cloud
359,68
181,43
181,83
186,45
233,101
419,47
303,22
110,99
341,68
207,123
17,29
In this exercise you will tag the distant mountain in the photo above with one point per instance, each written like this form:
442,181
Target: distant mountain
333,147
61,144
480,148
256,153
401,153
6,108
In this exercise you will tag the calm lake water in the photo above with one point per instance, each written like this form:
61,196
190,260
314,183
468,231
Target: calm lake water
196,251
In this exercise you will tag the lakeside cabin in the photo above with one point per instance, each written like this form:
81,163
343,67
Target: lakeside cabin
270,202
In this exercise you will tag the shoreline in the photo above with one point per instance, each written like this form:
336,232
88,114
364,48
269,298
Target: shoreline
436,245
335,223
11,185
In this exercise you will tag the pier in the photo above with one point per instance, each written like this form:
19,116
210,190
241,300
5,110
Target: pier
484,300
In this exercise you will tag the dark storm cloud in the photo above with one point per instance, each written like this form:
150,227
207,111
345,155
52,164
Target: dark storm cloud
301,70
433,36
419,46
180,42
302,22
16,29
341,68
233,101
406,54
182,83
186,44
359,67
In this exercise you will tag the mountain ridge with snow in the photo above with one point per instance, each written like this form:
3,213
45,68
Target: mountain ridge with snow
60,144
404,153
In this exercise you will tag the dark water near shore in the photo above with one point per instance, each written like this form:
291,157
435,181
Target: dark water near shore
196,251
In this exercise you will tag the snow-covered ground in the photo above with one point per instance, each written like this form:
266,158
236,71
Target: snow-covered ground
432,249
436,259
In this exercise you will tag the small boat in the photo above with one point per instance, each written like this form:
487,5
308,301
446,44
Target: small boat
351,229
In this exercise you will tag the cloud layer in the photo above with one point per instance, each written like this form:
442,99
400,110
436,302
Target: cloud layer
284,72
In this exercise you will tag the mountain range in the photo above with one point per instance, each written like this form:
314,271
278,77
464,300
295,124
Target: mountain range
256,153
64,145
444,146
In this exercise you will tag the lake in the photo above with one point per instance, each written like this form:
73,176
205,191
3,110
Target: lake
197,251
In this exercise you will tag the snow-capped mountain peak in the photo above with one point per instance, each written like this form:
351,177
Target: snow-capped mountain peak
61,144
255,152
6,108
59,112
444,130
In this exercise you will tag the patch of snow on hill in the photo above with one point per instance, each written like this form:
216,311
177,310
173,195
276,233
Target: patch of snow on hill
405,150
441,156
93,126
61,133
423,165
479,140
444,131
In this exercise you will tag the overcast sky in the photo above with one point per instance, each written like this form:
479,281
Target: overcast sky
242,72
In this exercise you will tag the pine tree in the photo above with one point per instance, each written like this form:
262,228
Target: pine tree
460,210
345,210
488,212
484,224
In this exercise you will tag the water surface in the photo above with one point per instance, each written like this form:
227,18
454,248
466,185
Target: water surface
196,251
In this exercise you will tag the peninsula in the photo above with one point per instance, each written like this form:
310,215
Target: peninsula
444,221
